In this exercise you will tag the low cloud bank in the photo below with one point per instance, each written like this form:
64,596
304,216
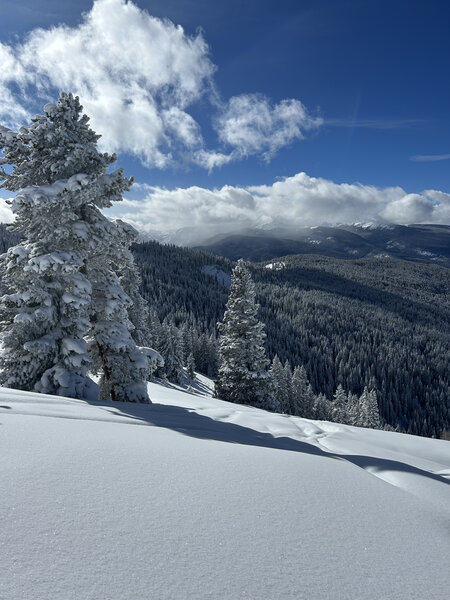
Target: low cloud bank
295,201
194,214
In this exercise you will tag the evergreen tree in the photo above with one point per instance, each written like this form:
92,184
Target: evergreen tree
287,388
123,366
187,335
276,373
171,348
212,356
242,374
353,409
130,280
190,366
302,395
323,409
153,326
48,307
340,405
370,415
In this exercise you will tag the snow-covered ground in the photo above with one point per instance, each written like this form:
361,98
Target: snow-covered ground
194,498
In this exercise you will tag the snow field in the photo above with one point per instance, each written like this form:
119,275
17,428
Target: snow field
196,498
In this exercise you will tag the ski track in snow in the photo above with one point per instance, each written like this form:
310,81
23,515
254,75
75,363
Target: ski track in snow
193,497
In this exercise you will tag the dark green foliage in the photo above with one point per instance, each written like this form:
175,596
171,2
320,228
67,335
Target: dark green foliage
377,322
381,323
174,284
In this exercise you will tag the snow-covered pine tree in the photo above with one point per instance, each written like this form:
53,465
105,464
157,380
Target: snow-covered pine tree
353,409
276,373
171,348
123,366
187,335
287,385
281,384
243,375
369,415
323,408
340,405
44,312
302,394
153,326
64,183
190,366
130,280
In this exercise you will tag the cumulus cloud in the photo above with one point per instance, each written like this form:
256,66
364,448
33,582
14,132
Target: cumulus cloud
411,208
252,125
138,77
295,201
135,75
441,203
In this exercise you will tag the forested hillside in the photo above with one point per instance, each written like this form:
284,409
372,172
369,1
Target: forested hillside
374,320
371,321
378,321
174,284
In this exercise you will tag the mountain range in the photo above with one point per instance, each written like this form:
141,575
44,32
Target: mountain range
420,243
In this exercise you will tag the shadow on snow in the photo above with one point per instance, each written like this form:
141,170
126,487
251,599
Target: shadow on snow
190,423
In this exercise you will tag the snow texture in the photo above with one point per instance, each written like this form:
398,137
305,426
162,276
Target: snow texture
193,497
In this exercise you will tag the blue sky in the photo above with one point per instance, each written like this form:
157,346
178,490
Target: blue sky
349,92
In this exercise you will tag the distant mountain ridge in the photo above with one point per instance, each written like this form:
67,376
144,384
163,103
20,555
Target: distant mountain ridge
419,243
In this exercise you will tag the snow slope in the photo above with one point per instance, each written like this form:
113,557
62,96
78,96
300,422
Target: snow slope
194,498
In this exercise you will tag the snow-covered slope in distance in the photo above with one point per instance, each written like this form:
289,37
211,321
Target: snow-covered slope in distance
196,498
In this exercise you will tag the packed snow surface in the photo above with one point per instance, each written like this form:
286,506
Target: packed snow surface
194,498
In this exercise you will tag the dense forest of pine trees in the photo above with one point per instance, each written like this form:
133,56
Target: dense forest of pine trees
376,323
365,325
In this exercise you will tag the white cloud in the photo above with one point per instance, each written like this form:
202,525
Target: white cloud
441,207
373,123
292,202
251,125
211,159
411,208
429,157
194,207
137,77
